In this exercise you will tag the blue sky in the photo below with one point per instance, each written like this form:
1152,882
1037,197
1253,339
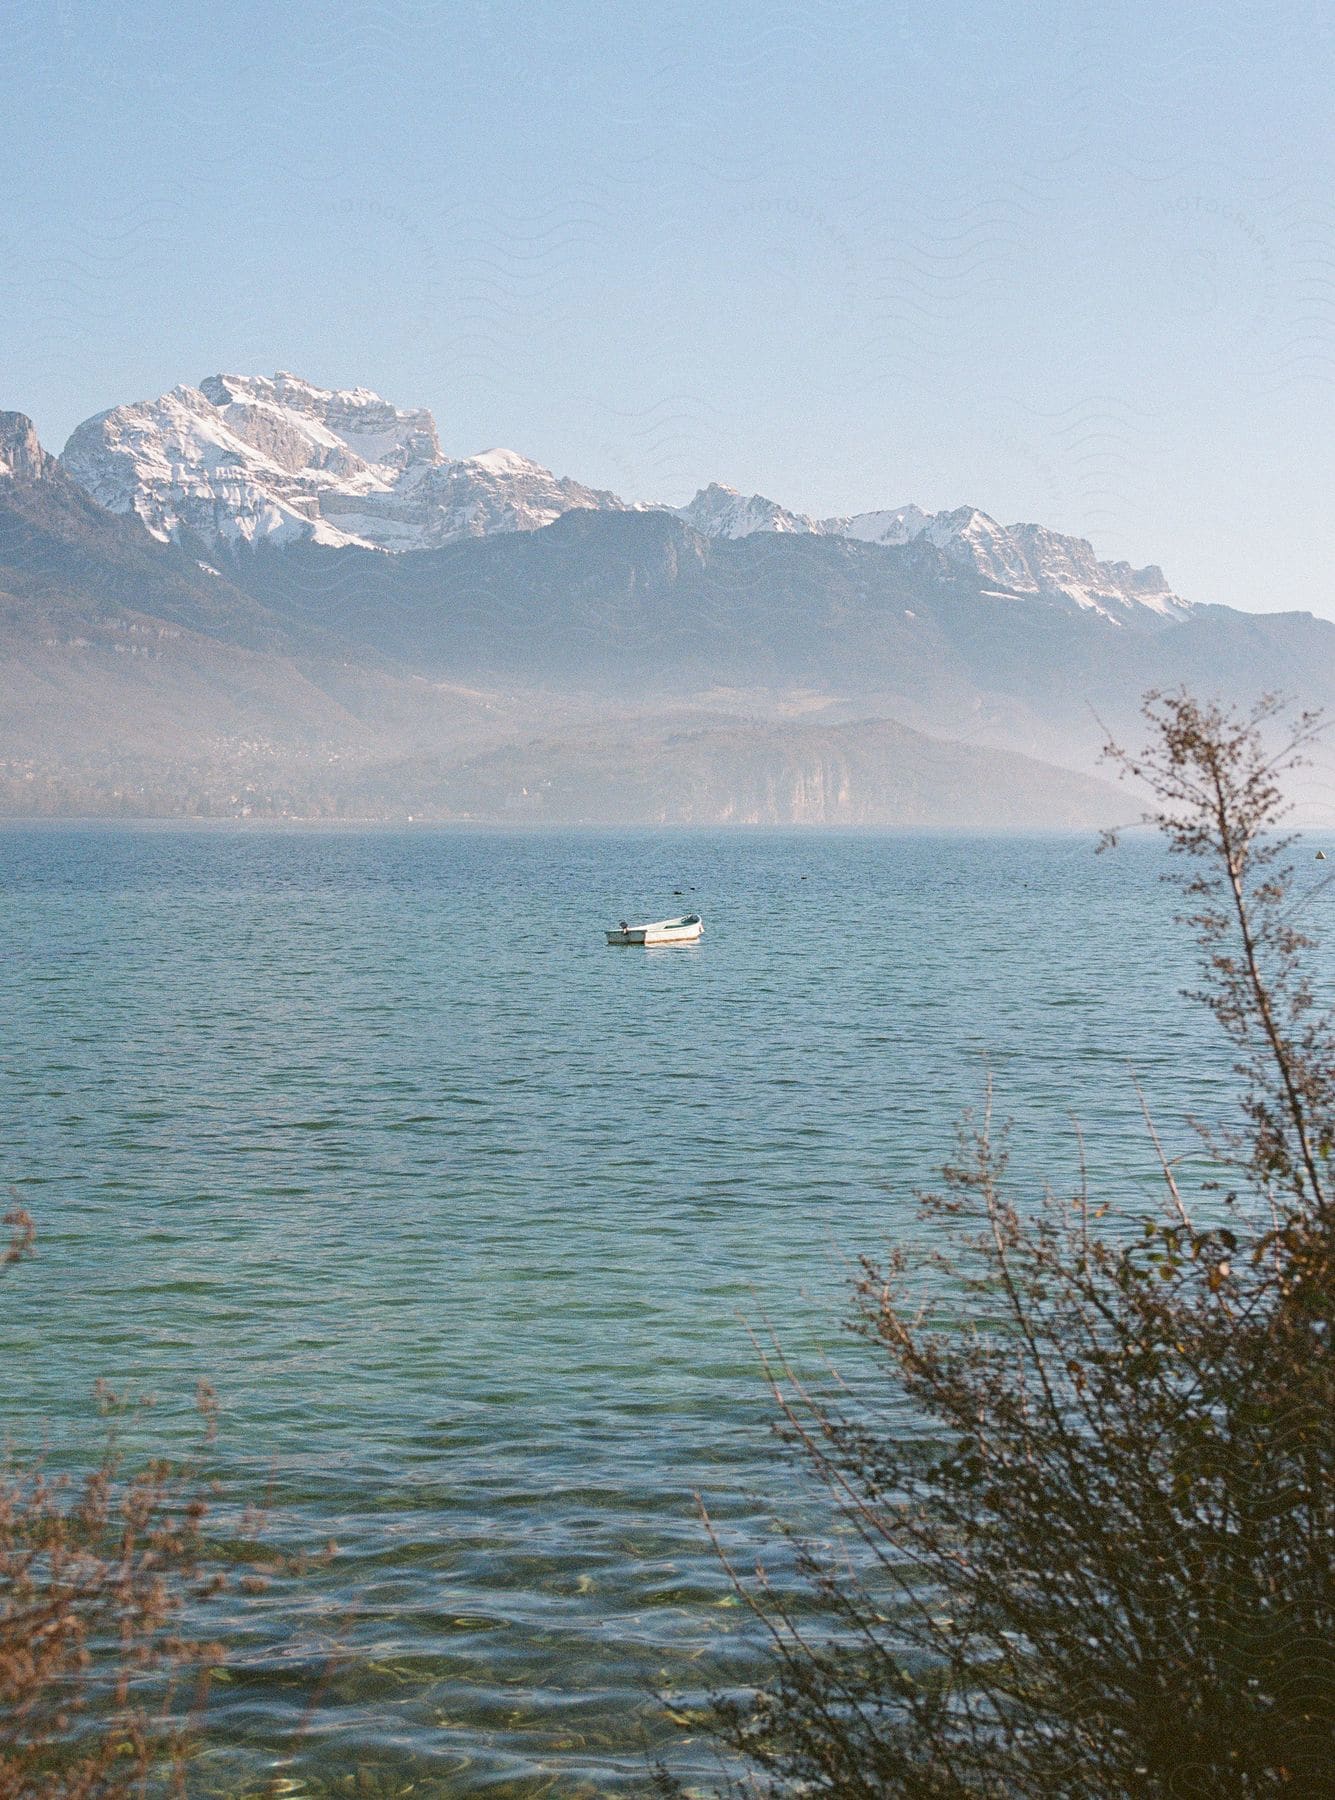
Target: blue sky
1065,262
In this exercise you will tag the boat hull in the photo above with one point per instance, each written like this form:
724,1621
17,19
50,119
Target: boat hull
666,931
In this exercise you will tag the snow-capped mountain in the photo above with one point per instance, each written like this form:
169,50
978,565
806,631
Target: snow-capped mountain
245,458
721,512
898,525
1019,559
249,459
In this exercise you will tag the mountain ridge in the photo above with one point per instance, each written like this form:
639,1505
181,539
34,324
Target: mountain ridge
775,675
245,459
136,680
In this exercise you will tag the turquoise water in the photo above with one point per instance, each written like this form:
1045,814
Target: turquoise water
469,1217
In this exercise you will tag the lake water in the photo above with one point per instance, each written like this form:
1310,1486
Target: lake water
468,1217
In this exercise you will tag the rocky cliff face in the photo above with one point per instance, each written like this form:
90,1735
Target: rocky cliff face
245,458
20,452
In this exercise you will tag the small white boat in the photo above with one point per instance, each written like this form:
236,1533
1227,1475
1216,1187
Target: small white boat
663,931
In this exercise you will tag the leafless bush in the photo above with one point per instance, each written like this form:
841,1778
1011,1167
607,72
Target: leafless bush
1100,1562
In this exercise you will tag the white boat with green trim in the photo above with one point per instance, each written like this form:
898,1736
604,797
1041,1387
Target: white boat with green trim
663,931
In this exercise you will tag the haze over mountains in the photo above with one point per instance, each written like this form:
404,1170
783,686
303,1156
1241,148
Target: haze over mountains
256,596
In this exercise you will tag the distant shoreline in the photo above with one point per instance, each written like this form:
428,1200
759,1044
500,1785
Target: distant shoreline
203,822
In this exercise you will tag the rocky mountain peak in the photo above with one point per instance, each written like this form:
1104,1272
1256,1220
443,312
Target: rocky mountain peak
719,511
276,459
20,451
324,427
506,462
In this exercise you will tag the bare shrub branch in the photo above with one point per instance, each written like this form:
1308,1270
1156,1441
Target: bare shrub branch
1096,1549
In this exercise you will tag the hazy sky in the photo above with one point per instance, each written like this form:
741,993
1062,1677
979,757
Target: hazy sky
1072,263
